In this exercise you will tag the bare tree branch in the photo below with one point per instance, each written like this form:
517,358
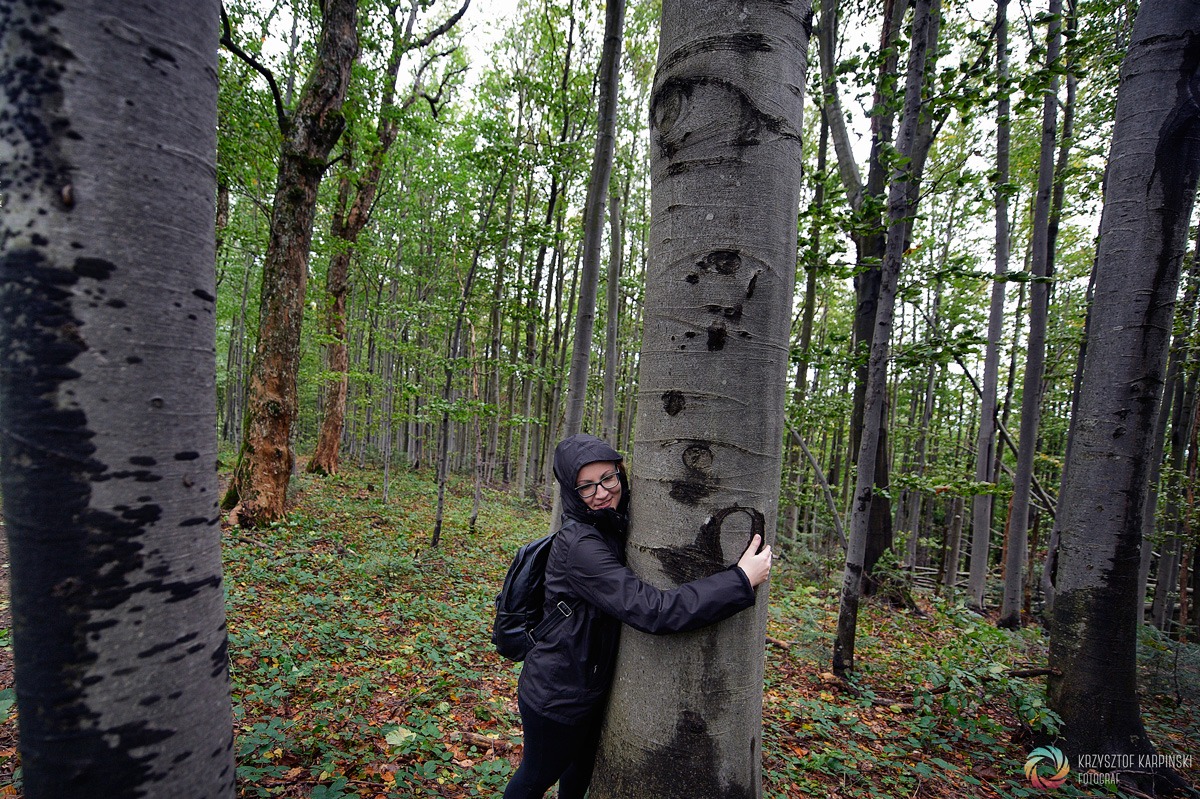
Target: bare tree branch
232,46
428,38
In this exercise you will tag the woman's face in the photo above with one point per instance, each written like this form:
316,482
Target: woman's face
603,479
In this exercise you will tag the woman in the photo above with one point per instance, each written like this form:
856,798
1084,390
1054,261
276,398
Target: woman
568,671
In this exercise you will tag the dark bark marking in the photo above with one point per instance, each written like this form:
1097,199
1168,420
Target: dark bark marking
692,278
684,765
733,312
673,402
753,283
204,295
220,658
737,42
187,455
723,262
698,457
698,481
669,105
145,516
717,333
95,268
133,360
158,54
666,106
154,650
142,460
690,492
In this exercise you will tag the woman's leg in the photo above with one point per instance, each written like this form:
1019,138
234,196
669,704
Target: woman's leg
575,780
552,748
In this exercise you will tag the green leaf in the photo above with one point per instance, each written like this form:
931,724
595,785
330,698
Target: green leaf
399,736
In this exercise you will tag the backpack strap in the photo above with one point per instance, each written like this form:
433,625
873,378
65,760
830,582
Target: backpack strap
562,610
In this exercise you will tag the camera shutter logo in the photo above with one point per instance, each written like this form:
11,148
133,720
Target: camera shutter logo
1053,759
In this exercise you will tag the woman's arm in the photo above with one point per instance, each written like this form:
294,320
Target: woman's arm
600,578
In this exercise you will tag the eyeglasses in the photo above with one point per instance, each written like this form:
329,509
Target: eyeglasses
610,482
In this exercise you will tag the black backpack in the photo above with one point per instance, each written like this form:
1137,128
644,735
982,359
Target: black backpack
519,605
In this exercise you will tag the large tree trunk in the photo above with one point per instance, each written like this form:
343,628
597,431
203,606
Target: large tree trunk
258,487
685,715
108,383
1035,358
1152,174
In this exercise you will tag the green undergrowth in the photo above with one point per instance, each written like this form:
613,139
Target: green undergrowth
361,657
362,666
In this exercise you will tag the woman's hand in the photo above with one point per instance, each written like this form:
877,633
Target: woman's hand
756,565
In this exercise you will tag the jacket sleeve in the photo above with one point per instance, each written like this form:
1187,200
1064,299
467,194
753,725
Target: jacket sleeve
596,574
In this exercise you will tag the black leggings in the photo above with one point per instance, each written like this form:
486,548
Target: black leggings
554,752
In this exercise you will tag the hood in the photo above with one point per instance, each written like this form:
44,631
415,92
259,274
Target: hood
571,455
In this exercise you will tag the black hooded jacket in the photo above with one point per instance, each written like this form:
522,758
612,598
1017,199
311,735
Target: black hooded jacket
567,673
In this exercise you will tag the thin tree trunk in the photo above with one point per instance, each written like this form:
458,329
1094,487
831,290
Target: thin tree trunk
1031,399
871,243
593,215
613,317
985,443
902,199
451,355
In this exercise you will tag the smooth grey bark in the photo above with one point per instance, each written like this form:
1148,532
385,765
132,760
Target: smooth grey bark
1151,181
108,449
1035,359
902,199
985,441
685,714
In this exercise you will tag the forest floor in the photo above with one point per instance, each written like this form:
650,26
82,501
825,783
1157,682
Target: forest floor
362,666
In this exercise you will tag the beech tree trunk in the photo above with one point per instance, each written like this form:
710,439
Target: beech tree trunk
866,200
911,146
108,450
1152,175
1035,358
985,442
593,215
258,486
685,715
